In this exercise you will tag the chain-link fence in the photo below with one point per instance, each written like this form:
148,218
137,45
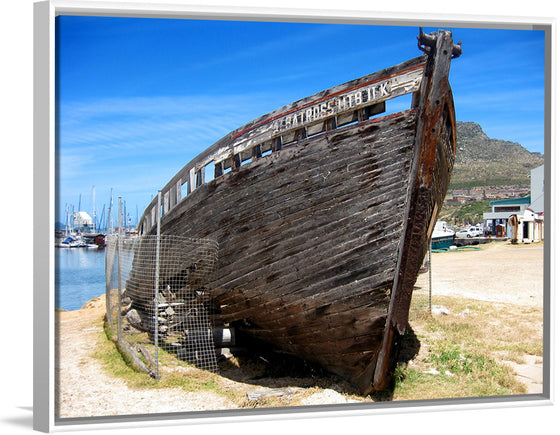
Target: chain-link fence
157,298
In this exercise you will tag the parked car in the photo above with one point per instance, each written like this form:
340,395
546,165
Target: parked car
470,232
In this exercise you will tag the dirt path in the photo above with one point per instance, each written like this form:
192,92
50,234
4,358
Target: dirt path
499,272
85,390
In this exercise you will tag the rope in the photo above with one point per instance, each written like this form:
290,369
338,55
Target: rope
459,248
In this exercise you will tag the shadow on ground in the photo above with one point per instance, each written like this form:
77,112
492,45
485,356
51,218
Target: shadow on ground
262,366
267,368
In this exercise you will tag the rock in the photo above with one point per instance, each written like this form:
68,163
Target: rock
271,392
126,308
134,319
438,309
325,397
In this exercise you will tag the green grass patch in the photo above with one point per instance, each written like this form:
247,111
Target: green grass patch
468,348
454,360
120,365
450,372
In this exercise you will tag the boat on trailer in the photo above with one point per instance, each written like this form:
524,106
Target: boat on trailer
323,211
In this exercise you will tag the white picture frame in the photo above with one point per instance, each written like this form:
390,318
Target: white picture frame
44,197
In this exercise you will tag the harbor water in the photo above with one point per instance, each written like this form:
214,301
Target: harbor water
79,276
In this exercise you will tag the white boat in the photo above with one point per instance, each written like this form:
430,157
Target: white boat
442,236
72,241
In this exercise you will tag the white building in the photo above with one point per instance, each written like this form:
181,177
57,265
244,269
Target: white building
537,190
498,219
82,221
521,219
526,228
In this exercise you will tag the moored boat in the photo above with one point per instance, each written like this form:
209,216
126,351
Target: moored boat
94,240
323,211
442,236
72,241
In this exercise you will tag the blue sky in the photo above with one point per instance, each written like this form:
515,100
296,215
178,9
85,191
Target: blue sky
140,97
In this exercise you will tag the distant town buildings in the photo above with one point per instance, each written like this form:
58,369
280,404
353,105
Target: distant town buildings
479,193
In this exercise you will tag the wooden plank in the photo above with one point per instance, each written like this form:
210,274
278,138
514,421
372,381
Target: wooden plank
287,190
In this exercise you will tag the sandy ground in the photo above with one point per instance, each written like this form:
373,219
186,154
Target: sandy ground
85,390
500,273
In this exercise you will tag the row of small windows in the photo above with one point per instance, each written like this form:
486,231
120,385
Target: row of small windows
214,170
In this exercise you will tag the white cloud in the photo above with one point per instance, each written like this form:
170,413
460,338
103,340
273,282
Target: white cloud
136,144
137,125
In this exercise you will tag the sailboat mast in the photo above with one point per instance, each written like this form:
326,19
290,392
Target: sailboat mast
93,194
125,218
102,217
109,225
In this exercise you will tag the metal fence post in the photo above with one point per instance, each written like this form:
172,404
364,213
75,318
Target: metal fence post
156,289
108,290
430,276
119,276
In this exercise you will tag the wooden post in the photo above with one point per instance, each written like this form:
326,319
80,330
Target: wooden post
191,185
218,169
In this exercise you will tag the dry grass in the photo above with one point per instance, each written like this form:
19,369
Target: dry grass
468,348
465,353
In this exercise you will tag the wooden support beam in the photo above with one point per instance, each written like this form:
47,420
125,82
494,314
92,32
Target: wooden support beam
218,169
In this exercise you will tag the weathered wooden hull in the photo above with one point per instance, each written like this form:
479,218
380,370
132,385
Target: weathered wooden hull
308,244
320,242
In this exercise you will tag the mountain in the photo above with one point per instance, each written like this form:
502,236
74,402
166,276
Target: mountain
481,161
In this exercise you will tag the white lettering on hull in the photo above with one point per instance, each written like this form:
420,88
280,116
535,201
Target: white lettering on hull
361,97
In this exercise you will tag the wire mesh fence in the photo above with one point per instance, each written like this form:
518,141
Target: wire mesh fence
157,297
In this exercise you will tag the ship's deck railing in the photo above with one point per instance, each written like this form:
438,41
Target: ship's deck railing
336,107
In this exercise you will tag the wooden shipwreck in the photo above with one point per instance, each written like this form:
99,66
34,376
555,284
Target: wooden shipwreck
323,211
